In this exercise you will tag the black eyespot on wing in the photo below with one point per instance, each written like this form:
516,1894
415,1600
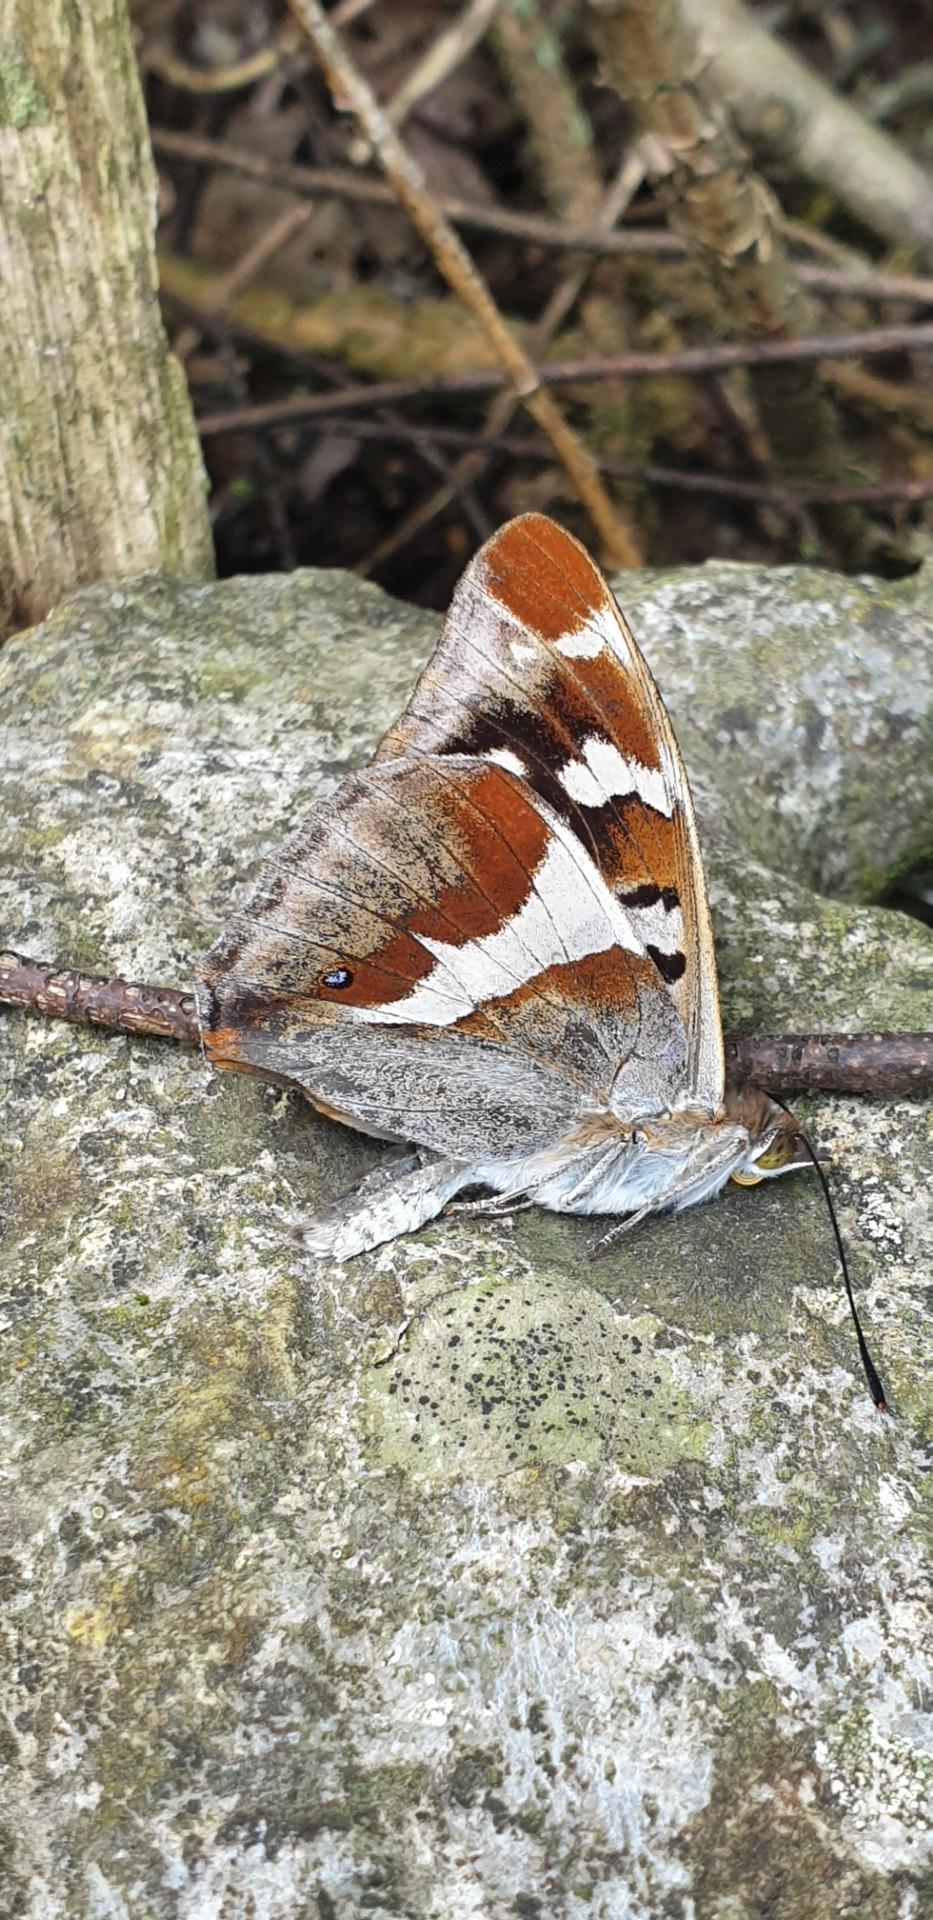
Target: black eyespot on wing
671,966
340,977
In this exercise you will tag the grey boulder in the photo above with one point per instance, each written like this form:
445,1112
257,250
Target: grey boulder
470,1580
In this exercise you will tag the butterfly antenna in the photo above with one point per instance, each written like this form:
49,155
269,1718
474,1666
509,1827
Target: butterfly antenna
875,1387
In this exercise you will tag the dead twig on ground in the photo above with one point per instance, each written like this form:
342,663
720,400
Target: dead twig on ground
486,443
871,283
92,1000
291,412
887,1064
532,59
624,366
459,271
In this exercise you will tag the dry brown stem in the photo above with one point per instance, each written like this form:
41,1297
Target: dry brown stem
874,1063
532,60
475,461
90,1000
458,269
343,183
889,1065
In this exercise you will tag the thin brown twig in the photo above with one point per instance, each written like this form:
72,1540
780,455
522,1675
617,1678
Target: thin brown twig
887,1065
441,58
872,1063
458,269
635,365
87,999
342,183
470,468
445,53
522,447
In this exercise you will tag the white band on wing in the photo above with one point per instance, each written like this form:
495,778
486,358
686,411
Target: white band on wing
608,773
569,914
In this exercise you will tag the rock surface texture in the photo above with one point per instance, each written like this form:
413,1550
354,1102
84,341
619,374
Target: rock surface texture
471,1580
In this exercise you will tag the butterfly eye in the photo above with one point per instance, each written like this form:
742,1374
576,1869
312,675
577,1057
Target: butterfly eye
341,977
639,1137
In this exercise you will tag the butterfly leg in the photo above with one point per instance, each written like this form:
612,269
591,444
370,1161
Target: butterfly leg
500,1208
397,1200
615,1232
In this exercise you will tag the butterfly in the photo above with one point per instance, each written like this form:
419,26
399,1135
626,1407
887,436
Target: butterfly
494,942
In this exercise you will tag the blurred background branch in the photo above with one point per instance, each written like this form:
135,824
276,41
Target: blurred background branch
617,224
788,114
728,217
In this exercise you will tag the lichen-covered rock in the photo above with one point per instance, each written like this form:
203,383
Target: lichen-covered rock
471,1580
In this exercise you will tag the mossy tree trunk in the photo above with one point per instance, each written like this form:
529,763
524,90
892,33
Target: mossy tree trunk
100,471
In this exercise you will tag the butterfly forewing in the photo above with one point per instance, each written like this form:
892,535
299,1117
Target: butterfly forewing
537,669
516,875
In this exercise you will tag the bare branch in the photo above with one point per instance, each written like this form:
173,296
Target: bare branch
344,184
614,366
885,1064
483,445
459,271
86,999
872,1063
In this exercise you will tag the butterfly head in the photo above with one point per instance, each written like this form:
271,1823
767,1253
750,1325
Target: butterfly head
774,1143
